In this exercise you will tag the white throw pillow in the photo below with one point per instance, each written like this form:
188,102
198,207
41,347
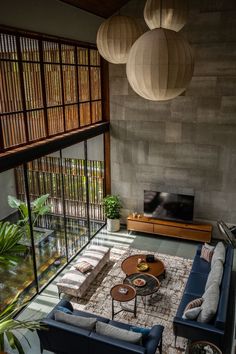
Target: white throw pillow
119,333
219,253
210,303
192,314
215,275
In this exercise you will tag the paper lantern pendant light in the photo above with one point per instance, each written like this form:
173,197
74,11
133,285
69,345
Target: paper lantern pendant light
160,65
115,37
169,14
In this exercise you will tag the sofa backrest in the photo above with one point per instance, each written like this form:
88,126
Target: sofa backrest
221,315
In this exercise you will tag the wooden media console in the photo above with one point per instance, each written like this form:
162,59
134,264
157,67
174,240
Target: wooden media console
194,232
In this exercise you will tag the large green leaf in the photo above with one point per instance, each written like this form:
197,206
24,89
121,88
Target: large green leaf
10,235
14,202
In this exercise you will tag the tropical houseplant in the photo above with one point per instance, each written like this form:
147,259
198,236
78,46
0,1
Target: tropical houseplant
38,208
112,207
9,326
10,249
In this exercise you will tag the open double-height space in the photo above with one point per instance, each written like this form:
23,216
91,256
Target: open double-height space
117,176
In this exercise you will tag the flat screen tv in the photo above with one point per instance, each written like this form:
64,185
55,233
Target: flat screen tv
168,206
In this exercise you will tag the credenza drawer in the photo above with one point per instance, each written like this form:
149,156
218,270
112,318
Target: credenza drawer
182,232
140,226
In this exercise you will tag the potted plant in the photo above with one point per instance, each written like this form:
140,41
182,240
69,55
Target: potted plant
112,207
9,326
10,249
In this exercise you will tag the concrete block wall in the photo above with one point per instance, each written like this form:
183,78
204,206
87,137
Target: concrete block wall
186,145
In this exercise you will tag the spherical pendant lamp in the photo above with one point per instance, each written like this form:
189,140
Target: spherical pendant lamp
169,14
160,65
115,37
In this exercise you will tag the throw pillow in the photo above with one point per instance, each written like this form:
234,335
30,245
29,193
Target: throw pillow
194,303
143,330
207,252
192,314
193,309
64,309
118,333
219,253
83,266
215,275
78,321
210,304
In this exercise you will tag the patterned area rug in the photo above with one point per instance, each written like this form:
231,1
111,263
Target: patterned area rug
161,307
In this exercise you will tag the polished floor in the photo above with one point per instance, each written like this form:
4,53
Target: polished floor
43,303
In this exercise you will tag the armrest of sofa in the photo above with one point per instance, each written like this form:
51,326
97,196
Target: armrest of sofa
199,248
63,303
103,343
154,339
196,326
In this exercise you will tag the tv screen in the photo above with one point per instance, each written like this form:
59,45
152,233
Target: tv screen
168,206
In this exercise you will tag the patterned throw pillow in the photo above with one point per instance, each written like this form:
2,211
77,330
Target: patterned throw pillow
193,309
83,267
207,252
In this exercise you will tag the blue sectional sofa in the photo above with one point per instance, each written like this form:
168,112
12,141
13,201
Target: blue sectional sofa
215,330
62,338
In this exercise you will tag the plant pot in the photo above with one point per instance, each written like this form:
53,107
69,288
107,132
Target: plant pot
113,225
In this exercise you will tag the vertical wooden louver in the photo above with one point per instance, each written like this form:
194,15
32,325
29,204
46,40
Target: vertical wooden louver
47,87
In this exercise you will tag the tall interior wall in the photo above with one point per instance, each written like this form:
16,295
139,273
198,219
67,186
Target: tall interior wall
186,145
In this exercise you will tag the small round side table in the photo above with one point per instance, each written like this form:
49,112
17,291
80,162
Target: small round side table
128,295
203,347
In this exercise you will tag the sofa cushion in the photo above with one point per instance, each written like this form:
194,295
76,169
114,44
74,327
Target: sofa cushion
207,252
90,315
79,321
196,284
200,266
210,303
215,275
219,253
118,333
143,330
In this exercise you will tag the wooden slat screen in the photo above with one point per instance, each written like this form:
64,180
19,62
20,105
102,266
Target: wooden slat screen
47,87
45,176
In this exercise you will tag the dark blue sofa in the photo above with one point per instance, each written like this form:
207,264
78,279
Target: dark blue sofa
215,330
62,338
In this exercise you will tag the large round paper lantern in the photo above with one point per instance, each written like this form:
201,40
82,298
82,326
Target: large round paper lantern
115,37
160,65
169,14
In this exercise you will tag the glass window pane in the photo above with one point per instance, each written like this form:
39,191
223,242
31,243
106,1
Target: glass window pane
36,126
95,83
71,113
82,56
84,114
51,52
70,93
74,174
53,84
55,120
45,188
32,84
84,93
94,57
96,111
29,49
68,54
95,155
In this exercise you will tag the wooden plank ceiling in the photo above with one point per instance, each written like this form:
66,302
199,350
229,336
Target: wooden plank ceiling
103,8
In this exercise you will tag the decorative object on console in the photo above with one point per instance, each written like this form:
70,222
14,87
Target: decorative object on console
150,258
112,206
115,37
142,266
169,14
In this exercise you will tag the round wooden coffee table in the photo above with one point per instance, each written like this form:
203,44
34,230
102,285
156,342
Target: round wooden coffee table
118,295
129,266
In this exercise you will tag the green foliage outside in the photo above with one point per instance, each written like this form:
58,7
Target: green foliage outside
112,206
10,250
38,208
